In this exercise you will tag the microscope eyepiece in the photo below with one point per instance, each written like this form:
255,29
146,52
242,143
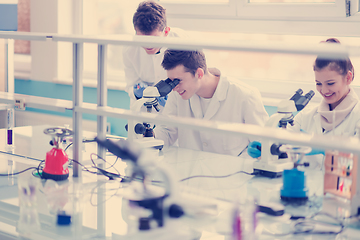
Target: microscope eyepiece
173,83
166,86
297,95
302,101
310,94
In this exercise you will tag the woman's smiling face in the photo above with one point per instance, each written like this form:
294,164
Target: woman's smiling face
332,86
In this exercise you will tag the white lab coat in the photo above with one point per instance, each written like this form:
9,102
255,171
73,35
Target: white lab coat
231,102
309,121
140,66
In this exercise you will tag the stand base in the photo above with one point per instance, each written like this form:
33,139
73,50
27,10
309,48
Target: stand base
300,200
54,177
150,142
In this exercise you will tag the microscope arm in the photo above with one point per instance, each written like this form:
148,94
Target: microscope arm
275,119
136,106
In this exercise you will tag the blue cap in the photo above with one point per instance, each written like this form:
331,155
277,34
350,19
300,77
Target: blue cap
63,219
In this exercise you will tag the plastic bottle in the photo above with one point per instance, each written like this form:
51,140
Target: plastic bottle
29,216
245,220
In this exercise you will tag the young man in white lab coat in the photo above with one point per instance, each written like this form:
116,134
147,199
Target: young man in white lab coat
207,94
143,64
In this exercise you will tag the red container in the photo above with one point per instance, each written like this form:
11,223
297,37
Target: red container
56,165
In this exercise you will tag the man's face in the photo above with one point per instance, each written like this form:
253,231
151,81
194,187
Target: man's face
155,33
189,84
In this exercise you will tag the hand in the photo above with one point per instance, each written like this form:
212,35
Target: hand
162,100
254,149
139,89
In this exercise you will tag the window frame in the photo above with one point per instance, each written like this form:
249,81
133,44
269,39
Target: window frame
246,9
201,9
198,20
291,11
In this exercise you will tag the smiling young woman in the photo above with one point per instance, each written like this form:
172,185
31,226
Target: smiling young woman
339,110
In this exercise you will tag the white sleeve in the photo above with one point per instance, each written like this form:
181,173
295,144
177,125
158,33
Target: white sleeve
168,134
131,77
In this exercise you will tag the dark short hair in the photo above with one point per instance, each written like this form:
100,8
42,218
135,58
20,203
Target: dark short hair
191,60
149,16
340,65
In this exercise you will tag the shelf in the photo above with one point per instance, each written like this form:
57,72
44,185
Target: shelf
337,193
339,173
30,36
50,104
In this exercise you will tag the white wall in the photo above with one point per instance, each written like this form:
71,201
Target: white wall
51,60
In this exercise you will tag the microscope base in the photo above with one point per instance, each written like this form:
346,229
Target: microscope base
150,142
271,169
268,174
177,230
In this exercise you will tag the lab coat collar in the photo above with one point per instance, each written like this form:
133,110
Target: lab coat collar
195,106
221,89
317,123
219,95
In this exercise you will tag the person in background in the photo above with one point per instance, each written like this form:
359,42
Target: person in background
339,110
143,64
207,94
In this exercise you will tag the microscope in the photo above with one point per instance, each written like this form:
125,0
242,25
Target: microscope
142,133
148,208
273,161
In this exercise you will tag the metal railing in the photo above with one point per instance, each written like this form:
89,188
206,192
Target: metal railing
103,111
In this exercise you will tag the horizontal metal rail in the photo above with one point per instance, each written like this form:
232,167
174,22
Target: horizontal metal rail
326,50
340,143
50,104
30,36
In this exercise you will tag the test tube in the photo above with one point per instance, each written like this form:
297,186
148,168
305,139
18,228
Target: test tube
10,133
10,143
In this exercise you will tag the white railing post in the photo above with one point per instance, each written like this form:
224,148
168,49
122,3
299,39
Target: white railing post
78,49
101,95
101,130
9,65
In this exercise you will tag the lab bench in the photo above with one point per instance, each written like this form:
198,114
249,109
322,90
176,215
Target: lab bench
210,182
